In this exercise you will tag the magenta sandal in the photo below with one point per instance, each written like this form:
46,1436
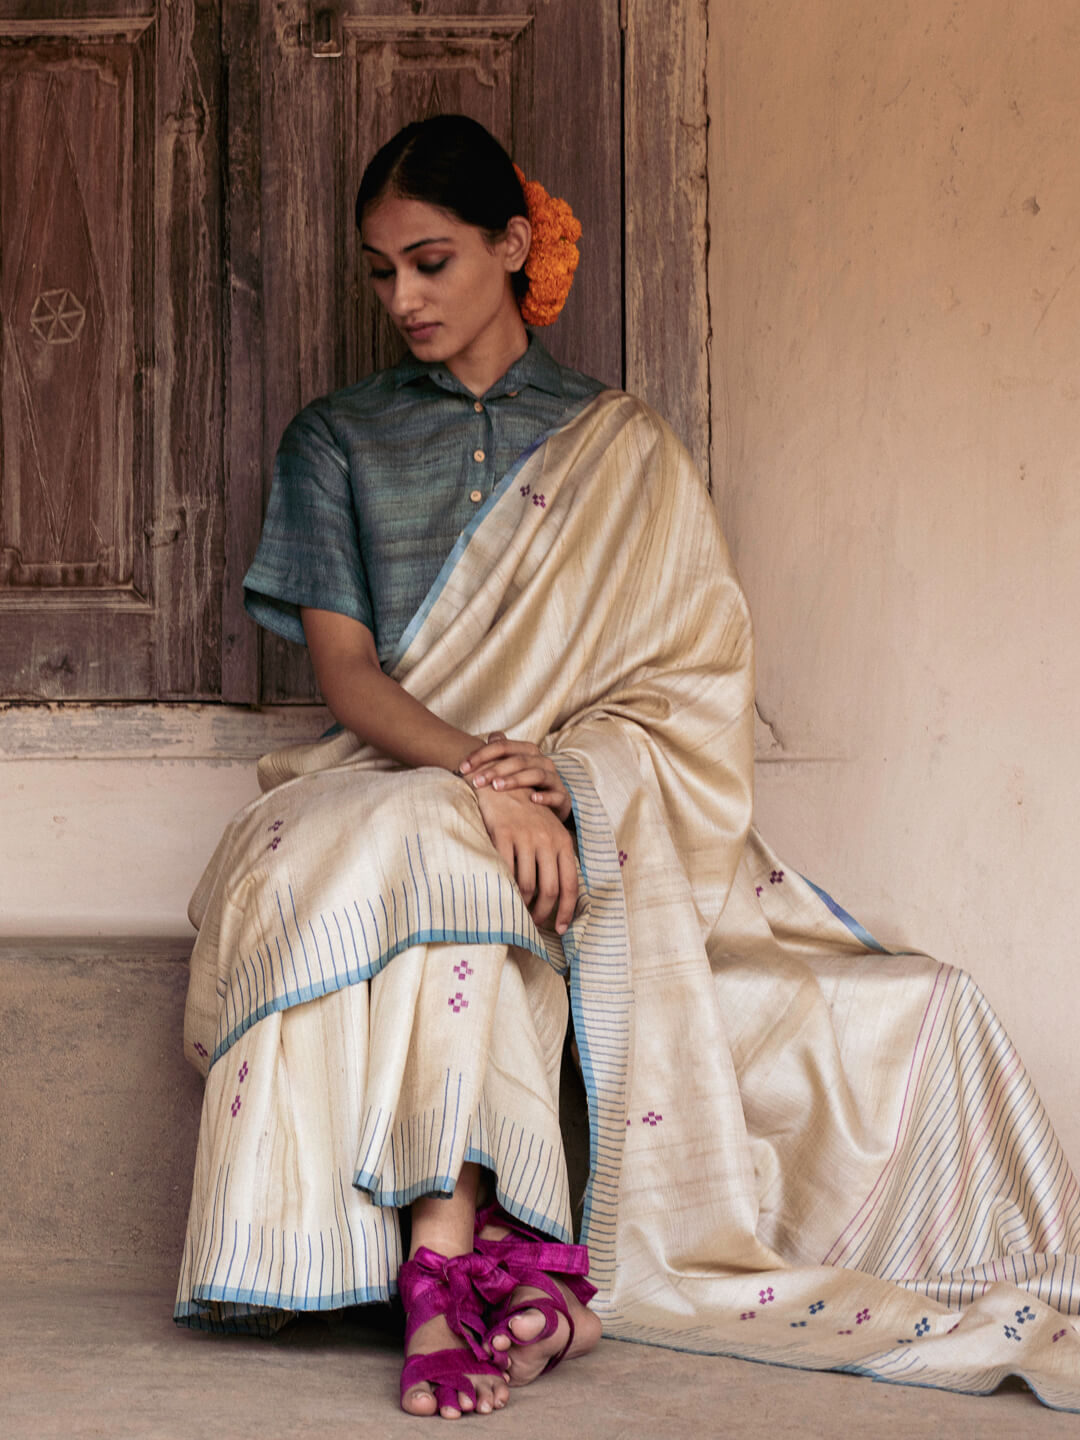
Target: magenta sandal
529,1259
458,1289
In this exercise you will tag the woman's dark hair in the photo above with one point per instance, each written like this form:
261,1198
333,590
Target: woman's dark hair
453,163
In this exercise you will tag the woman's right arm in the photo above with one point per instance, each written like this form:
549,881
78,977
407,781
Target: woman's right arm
367,702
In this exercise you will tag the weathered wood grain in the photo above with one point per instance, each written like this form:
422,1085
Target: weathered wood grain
667,299
189,358
153,732
55,655
244,340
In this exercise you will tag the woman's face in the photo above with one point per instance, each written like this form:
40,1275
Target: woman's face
445,287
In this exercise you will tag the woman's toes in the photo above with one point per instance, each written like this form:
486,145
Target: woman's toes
419,1401
527,1325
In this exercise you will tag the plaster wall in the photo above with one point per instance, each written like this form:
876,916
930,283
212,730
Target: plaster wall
895,294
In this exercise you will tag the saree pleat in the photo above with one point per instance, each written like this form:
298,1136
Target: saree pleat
803,1148
327,1116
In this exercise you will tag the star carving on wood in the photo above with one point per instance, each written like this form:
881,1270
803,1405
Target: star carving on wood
57,317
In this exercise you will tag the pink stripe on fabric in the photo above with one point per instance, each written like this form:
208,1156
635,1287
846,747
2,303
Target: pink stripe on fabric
989,1115
848,1236
1059,1219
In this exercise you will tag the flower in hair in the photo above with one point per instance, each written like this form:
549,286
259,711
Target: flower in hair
553,254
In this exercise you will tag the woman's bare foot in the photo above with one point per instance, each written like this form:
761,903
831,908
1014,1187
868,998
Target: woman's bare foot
446,1227
524,1361
491,1390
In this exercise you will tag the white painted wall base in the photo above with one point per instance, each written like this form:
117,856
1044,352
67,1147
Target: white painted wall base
111,812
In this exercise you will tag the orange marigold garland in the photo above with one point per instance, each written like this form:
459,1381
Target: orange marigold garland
553,255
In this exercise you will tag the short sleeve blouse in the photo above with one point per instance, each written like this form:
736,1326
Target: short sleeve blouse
373,485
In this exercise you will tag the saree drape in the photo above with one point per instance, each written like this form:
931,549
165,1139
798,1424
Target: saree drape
803,1149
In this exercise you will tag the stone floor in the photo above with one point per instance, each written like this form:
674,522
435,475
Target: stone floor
89,1355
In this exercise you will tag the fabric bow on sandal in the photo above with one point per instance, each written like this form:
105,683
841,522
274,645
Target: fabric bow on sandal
458,1289
531,1260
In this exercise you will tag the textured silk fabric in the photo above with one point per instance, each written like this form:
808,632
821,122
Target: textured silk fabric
803,1150
373,484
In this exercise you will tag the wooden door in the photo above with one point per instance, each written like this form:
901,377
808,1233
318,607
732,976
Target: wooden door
325,86
111,494
179,274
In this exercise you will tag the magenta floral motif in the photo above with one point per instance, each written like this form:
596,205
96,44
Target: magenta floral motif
274,843
862,1317
539,500
457,1003
243,1072
845,1332
1059,1335
652,1118
776,878
525,489
200,1049
759,889
623,857
765,1297
748,1315
463,969
235,1107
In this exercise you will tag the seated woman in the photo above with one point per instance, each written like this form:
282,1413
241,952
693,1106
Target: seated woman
802,1149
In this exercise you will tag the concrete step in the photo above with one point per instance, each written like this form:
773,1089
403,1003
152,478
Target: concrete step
94,1353
100,1110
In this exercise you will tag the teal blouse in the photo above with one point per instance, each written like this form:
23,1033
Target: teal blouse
373,485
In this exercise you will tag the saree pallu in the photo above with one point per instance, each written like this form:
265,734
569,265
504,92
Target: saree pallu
803,1149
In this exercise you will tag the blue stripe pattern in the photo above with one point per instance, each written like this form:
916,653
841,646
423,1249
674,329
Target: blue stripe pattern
598,947
316,954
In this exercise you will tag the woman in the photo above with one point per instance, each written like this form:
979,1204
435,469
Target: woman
802,1149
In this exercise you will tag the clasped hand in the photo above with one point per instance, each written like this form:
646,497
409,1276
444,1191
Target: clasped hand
523,803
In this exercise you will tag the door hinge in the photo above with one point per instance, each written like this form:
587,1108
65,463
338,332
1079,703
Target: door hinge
323,32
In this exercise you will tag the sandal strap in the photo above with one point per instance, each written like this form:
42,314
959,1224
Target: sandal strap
523,1249
457,1288
552,1310
569,1262
447,1372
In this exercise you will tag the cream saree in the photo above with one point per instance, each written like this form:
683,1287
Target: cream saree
803,1150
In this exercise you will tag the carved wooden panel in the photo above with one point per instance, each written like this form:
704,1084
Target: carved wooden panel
73,311
543,75
111,349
